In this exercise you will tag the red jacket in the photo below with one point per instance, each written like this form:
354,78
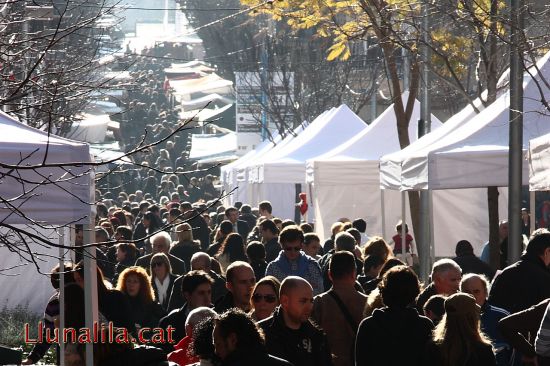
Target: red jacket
182,355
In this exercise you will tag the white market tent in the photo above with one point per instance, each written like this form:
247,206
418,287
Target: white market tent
476,154
539,163
344,182
66,201
235,175
211,145
277,173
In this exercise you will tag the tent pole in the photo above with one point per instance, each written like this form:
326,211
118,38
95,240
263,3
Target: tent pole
533,209
403,223
383,213
63,236
432,233
90,288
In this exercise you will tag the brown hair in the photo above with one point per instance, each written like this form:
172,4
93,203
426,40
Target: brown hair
146,293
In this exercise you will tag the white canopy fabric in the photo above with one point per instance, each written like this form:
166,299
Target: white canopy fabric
208,145
539,163
56,204
344,182
476,154
288,165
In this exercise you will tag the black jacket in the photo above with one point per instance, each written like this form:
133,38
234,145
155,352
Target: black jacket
521,285
469,263
176,319
114,305
185,250
305,346
272,249
428,292
482,355
224,303
145,315
172,279
392,337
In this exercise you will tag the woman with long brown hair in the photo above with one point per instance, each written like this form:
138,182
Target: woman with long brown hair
457,339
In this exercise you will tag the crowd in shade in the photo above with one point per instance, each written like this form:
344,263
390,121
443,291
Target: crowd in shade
237,285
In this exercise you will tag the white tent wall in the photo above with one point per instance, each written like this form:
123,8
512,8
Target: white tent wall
539,164
281,196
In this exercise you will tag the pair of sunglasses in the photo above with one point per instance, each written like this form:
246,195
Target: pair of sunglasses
268,298
296,249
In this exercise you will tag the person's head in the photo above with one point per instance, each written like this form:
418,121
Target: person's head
240,281
296,297
287,222
101,235
233,245
236,333
356,235
196,287
291,239
203,342
67,275
342,269
268,229
225,228
464,247
446,275
196,316
539,245
201,261
434,308
265,297
126,252
312,244
160,266
160,242
360,224
135,282
503,229
344,242
173,214
458,332
184,232
255,251
232,214
265,209
246,209
306,228
377,246
123,233
373,265
336,228
476,285
399,287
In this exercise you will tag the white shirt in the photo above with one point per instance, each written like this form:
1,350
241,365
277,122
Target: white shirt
162,288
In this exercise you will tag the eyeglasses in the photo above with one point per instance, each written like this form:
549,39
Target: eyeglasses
156,264
296,249
268,298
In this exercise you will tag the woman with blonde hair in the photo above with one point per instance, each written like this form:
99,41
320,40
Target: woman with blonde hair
135,284
162,278
457,339
185,247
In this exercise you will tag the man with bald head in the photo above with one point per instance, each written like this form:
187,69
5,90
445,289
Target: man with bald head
289,333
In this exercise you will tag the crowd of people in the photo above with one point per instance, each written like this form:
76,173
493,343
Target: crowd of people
239,286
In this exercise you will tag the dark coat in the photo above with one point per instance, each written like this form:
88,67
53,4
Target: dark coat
250,220
178,266
172,279
185,250
176,319
272,249
243,229
114,305
521,285
224,303
253,358
305,346
392,337
428,292
145,315
469,263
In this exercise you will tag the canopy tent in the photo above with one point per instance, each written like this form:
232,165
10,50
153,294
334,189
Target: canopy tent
278,174
50,195
207,145
210,84
476,154
91,128
235,176
539,163
211,100
345,180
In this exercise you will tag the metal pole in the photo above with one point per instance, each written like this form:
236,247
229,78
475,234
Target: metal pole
373,102
403,223
424,237
515,158
533,211
62,241
90,288
383,213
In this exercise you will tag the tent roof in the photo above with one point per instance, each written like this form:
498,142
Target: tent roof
287,165
476,154
63,201
208,146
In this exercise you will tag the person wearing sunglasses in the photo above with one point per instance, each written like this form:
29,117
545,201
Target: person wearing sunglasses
292,261
265,298
162,278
